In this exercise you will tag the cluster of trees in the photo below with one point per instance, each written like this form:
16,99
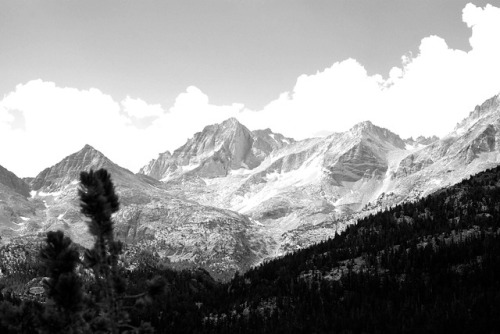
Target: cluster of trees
428,266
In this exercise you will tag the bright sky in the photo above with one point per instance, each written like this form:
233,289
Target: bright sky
135,78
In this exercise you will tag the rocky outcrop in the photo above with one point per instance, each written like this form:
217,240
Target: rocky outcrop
412,164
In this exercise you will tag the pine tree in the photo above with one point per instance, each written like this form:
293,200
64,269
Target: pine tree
64,287
98,202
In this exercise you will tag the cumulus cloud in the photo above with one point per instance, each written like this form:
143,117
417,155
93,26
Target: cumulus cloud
6,118
141,109
427,93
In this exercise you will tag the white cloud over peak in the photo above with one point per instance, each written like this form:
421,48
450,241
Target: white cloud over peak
428,93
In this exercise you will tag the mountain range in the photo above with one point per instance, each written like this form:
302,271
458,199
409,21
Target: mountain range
230,198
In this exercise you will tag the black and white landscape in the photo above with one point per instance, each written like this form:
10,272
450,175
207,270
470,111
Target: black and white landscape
353,203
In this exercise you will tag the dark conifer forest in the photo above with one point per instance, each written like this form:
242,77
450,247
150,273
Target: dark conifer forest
432,266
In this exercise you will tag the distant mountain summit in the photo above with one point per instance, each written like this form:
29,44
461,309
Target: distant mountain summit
367,146
68,170
215,151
